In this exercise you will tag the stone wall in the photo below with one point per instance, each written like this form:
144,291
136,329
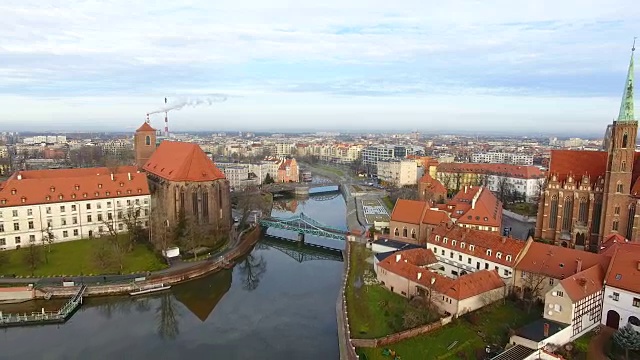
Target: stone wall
518,217
403,335
249,239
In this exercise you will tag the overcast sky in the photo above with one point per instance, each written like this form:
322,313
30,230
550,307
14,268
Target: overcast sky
530,66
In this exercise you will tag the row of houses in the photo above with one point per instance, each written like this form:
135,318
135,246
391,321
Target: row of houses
459,270
241,175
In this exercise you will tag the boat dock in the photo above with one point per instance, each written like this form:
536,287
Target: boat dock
45,317
150,289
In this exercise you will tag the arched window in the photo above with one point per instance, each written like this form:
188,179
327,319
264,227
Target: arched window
413,233
624,141
583,210
616,209
632,213
623,166
620,188
147,140
615,225
553,214
396,232
404,232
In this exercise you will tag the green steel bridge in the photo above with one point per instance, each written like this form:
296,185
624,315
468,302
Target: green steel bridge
303,224
300,251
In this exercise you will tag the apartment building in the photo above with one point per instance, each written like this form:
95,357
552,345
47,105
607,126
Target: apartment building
372,154
70,204
503,158
399,172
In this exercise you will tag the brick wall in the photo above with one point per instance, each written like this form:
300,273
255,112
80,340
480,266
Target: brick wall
403,335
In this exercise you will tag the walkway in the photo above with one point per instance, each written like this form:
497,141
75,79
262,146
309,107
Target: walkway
598,342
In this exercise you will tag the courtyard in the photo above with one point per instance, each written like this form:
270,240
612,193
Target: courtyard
374,210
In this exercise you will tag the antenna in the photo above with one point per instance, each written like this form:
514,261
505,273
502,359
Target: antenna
633,48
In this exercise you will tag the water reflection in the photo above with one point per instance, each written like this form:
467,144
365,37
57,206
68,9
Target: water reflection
201,296
167,317
251,270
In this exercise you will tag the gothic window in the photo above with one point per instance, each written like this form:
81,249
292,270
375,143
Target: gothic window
194,204
413,233
623,166
615,225
396,232
597,213
147,140
553,215
624,141
619,188
205,206
583,210
567,213
616,210
404,232
632,213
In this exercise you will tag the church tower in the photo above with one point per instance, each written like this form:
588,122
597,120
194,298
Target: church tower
621,150
144,143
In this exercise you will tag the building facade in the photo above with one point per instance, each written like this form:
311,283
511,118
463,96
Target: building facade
502,158
398,172
71,204
590,194
372,154
621,304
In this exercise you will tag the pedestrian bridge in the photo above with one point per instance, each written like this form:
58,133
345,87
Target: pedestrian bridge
302,188
303,224
302,252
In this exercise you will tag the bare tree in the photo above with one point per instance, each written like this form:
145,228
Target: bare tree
251,199
446,179
161,230
505,190
103,256
457,180
168,315
195,236
48,239
32,256
252,269
533,284
133,225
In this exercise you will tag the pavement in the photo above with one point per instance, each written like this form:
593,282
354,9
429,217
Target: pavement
519,229
598,343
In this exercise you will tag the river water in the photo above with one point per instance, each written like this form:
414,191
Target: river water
270,306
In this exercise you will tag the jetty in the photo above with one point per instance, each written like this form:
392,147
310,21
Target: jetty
45,317
147,289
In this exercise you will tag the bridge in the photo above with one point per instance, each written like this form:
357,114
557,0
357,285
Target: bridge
303,224
302,188
302,252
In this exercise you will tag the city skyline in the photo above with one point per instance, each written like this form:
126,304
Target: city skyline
409,66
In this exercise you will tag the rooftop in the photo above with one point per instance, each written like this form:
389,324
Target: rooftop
182,161
535,330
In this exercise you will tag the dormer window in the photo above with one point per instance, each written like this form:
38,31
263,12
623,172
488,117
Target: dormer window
60,196
129,191
489,252
444,241
121,184
499,255
453,243
84,195
118,192
99,186
73,196
48,197
462,245
13,191
3,201
509,258
76,186
96,193
53,189
107,193
139,191
486,218
437,237
23,199
471,247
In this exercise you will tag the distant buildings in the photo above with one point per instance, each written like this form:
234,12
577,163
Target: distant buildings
46,139
502,158
241,175
372,154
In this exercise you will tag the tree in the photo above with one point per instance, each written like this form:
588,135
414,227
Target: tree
505,190
133,225
268,179
161,232
194,236
47,240
533,284
628,339
32,256
251,199
252,269
167,315
457,181
103,257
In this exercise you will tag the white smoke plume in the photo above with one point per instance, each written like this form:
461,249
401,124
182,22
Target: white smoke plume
193,102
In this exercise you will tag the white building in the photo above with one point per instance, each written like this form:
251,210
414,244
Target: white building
70,204
117,146
527,187
621,303
398,172
372,154
502,158
238,175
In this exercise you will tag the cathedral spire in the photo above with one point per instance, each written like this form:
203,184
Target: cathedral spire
626,107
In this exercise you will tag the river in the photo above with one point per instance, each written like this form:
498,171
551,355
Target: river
270,306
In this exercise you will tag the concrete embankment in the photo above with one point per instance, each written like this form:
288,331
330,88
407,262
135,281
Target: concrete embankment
522,218
248,240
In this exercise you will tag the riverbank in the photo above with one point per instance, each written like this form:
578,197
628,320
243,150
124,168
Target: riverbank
246,241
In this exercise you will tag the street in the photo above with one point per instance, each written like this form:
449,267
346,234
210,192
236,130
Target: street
519,229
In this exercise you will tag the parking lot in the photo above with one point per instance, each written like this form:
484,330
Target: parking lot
374,210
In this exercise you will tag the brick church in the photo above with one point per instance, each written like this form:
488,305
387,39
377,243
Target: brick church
183,180
591,194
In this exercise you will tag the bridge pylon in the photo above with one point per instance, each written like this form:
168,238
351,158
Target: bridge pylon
301,237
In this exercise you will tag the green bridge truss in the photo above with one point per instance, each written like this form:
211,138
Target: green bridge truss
305,225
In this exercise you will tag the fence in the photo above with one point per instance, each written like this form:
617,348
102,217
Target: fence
403,335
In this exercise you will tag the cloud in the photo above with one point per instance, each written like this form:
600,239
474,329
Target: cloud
73,48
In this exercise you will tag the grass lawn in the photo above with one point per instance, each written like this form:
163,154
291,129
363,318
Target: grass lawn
373,310
75,258
388,203
332,169
493,321
524,209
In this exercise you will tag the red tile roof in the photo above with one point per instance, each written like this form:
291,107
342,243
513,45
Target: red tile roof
607,247
558,262
145,127
509,170
481,240
436,217
465,286
53,186
584,283
408,211
433,184
592,163
486,210
181,161
624,272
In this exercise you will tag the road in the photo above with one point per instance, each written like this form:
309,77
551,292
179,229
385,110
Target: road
519,229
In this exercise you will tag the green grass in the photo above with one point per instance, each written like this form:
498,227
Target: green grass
493,321
373,310
388,203
525,209
332,169
75,258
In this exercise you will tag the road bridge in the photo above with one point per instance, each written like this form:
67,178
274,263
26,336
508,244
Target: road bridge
302,252
302,188
303,224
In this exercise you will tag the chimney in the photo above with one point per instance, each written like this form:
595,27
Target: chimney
465,189
419,275
129,176
546,330
578,265
111,176
19,176
398,257
504,239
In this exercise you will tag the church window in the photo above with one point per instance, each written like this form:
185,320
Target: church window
597,212
619,188
194,204
567,214
623,166
615,225
616,210
205,206
624,141
404,232
553,215
582,210
147,140
632,213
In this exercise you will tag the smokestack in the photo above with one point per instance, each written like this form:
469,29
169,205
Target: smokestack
546,330
166,125
578,265
147,118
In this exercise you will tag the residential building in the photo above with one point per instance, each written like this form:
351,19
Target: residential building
238,175
463,250
70,204
288,171
116,147
621,304
409,274
476,208
182,179
503,158
372,154
590,194
430,189
412,221
398,172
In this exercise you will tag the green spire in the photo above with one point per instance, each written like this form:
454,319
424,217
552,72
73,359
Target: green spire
626,107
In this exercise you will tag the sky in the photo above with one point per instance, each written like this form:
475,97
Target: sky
533,67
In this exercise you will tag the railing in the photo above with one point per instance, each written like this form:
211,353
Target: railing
36,318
